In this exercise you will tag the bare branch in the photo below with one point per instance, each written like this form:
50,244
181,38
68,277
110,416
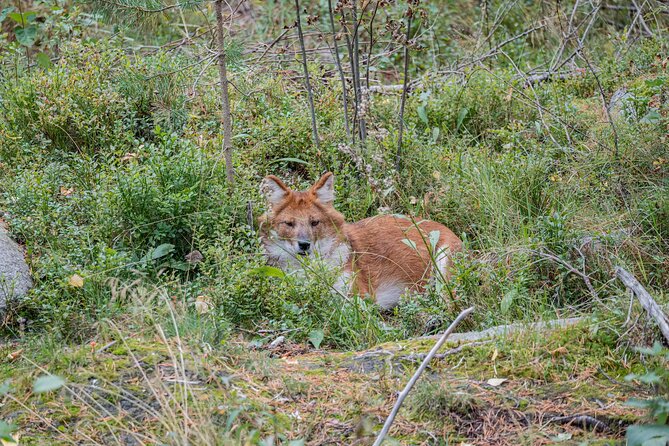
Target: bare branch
398,155
647,301
307,83
225,95
340,70
414,378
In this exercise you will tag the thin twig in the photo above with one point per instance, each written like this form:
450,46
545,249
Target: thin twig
274,42
414,378
371,44
341,71
604,103
571,269
398,155
362,125
307,83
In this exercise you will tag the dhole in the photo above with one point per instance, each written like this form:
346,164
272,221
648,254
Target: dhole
374,254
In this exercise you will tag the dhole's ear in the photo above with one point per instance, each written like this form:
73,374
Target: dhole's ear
273,189
324,188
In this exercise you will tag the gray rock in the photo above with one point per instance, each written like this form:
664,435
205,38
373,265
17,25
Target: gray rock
621,106
15,278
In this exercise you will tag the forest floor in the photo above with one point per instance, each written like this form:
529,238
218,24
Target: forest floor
542,385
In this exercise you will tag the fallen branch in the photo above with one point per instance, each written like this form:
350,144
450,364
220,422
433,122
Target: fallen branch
647,301
583,421
547,76
505,330
414,378
415,357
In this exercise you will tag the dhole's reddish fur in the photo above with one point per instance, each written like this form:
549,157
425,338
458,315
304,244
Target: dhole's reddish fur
373,254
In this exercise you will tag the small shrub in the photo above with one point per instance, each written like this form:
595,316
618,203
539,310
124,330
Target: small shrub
658,407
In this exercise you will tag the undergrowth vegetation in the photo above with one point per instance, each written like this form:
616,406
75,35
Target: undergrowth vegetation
112,177
108,156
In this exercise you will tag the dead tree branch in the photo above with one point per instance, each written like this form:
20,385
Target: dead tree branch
647,301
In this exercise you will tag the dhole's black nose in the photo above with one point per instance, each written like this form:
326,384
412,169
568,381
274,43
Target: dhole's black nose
304,246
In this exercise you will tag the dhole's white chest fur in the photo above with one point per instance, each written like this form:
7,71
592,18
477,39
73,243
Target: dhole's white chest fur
381,256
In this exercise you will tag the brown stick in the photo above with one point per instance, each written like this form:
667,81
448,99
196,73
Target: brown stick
225,96
647,301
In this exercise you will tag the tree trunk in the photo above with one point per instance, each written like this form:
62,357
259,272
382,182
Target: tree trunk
225,96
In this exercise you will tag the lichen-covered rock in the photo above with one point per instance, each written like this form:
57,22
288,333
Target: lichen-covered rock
15,278
621,106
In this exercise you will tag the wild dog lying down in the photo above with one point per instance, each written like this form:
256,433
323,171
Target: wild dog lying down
380,256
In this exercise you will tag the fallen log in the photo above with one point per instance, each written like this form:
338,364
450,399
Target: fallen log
646,300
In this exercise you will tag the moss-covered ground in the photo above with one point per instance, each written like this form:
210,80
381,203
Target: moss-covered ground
564,385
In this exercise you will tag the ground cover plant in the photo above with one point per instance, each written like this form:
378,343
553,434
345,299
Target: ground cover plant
537,131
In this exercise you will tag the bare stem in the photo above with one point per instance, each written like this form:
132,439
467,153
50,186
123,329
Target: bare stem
307,82
371,43
398,156
362,126
225,96
341,71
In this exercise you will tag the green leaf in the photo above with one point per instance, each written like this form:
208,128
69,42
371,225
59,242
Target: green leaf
434,239
26,36
4,388
5,12
23,19
299,442
410,243
232,416
43,60
422,114
639,404
647,435
652,117
316,337
508,299
268,271
289,160
657,82
47,383
435,134
159,251
6,430
655,350
462,114
650,378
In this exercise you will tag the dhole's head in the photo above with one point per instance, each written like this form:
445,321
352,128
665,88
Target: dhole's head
300,223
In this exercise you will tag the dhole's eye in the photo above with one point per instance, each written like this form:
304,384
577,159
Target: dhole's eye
290,224
315,223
